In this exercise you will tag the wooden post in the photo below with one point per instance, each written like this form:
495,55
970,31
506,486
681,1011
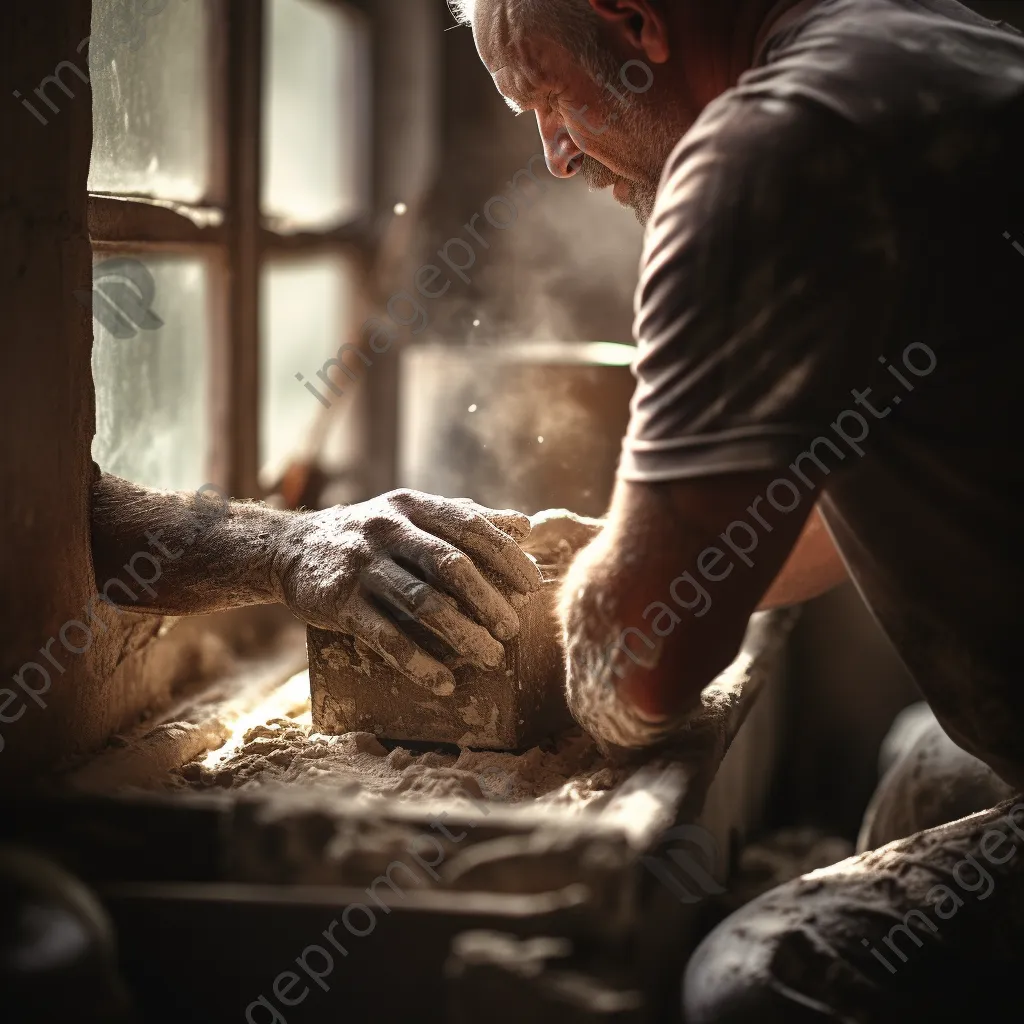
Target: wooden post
45,373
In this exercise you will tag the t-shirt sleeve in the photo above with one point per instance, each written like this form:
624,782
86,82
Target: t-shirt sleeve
764,292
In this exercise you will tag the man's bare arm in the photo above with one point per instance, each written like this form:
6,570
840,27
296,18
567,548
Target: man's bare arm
813,568
410,553
179,553
658,604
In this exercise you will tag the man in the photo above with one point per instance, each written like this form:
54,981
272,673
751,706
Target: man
828,326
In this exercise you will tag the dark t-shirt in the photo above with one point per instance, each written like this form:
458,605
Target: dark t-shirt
833,283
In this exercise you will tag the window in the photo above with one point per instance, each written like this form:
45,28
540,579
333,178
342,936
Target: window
229,199
153,389
304,299
316,65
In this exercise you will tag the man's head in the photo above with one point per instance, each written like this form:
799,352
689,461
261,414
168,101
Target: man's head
604,78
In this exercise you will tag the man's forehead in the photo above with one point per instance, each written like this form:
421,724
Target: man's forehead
505,53
492,30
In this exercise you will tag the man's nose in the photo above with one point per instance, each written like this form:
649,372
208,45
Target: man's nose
561,153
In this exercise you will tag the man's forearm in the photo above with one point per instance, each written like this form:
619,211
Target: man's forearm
658,605
180,553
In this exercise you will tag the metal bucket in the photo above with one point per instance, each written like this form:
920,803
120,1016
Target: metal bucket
525,425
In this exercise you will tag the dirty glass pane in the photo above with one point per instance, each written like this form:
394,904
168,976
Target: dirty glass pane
306,308
152,87
149,367
316,105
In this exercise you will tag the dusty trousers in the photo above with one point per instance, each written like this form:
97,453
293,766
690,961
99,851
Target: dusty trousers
928,927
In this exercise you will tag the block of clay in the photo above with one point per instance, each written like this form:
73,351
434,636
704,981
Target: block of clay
355,690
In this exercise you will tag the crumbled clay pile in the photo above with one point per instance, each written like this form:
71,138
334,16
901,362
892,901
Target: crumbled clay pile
572,773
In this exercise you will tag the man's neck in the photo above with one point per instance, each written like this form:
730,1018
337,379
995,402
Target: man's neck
719,42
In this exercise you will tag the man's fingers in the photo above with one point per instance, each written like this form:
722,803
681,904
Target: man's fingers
464,525
438,612
515,524
495,550
362,620
455,570
464,636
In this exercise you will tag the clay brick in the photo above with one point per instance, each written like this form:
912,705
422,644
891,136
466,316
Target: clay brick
354,689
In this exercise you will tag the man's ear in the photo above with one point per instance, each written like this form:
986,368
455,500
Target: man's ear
640,22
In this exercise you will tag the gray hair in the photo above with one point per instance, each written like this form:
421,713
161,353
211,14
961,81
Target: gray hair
572,23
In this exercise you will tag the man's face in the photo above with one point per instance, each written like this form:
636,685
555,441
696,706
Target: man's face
605,129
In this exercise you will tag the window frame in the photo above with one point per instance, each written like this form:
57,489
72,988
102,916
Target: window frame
228,230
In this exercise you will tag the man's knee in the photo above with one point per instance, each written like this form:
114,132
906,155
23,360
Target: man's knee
727,978
929,781
775,959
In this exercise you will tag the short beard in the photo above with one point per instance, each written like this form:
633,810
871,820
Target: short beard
649,130
642,197
641,193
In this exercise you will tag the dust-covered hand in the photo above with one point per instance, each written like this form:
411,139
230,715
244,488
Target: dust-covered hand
435,560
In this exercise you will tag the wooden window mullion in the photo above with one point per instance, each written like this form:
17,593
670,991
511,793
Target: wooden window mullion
235,380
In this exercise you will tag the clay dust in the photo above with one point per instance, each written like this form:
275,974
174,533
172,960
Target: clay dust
283,750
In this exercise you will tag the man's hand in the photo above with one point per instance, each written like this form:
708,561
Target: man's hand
657,606
419,555
449,564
